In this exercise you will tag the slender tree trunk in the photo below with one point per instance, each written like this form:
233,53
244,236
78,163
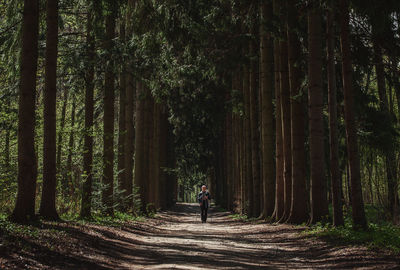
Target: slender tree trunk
149,154
318,198
48,203
129,137
267,88
247,130
333,126
122,125
285,116
279,161
228,154
88,135
163,155
358,212
155,188
27,167
108,137
129,112
243,163
139,143
298,210
255,135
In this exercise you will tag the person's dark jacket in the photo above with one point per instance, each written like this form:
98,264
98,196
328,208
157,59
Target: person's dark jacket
201,198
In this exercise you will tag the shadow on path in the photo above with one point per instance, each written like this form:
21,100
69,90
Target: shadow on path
176,239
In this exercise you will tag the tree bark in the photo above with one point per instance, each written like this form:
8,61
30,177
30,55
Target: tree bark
27,167
155,161
248,156
279,161
285,116
108,119
333,120
129,112
298,209
148,146
139,143
163,155
228,155
122,126
358,212
318,198
48,202
267,88
255,135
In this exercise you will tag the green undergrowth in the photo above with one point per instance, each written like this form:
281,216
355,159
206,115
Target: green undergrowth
34,229
8,228
380,235
243,218
22,237
377,237
112,221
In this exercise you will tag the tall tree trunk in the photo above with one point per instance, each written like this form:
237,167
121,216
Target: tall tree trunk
243,162
318,198
122,125
48,203
358,212
129,137
163,155
267,88
333,126
155,161
108,137
285,116
88,135
255,135
129,112
228,155
148,144
139,143
298,209
27,167
247,130
279,161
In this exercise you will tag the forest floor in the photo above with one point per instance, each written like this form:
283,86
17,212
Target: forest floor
176,239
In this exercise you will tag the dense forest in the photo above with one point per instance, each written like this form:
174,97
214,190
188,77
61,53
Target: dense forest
287,109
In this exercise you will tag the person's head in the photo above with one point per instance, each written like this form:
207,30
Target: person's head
203,188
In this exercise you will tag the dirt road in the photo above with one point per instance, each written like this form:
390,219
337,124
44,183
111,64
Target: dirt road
177,239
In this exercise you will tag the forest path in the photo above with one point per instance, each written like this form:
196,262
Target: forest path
176,239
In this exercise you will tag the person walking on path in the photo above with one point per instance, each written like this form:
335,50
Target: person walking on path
204,198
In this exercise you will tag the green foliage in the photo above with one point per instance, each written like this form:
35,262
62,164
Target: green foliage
8,228
381,235
117,220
